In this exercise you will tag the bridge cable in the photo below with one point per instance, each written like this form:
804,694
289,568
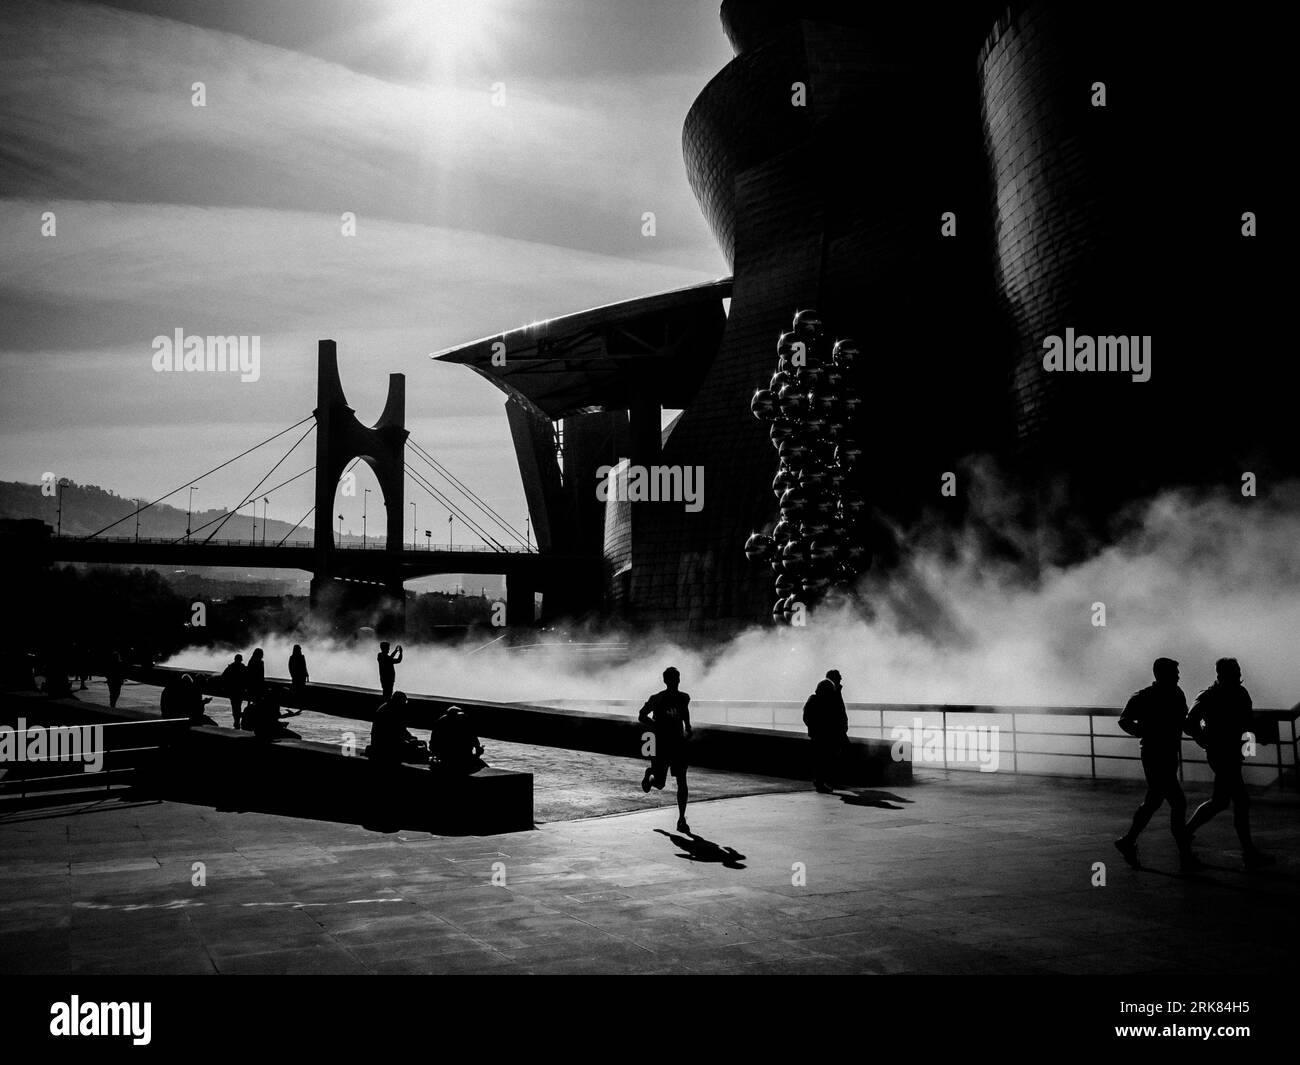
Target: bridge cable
257,487
468,492
482,534
273,488
310,509
200,477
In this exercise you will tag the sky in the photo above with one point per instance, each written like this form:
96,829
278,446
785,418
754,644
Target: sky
498,156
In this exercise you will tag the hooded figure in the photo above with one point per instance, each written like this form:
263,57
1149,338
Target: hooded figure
828,728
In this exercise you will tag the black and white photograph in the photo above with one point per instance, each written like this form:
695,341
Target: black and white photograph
649,488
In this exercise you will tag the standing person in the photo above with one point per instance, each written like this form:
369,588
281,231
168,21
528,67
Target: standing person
828,729
234,682
255,675
670,712
387,671
1218,721
298,670
1155,715
114,674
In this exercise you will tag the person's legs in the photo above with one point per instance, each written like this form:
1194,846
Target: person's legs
236,710
114,690
1219,798
682,795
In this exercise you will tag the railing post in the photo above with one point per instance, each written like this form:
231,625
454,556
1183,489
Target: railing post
943,721
1092,747
1015,746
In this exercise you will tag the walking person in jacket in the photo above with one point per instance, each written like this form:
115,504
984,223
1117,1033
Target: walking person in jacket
828,729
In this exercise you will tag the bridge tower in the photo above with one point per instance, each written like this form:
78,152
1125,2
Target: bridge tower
340,438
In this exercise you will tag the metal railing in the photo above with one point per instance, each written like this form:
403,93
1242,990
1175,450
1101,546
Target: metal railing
109,775
1029,746
172,541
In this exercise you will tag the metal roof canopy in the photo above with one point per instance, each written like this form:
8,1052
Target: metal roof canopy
602,358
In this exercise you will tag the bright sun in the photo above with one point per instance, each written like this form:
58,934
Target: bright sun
449,39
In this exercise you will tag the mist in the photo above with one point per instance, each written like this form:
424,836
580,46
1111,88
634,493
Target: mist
1195,578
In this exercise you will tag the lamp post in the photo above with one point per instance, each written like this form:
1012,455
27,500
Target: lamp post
266,509
189,510
340,530
528,535
365,506
428,542
414,525
138,502
59,531
451,530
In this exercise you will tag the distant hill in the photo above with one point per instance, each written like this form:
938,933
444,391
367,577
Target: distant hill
87,508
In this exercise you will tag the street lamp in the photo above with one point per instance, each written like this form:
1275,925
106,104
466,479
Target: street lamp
365,506
266,507
428,543
138,504
528,535
451,530
59,531
340,530
189,510
414,525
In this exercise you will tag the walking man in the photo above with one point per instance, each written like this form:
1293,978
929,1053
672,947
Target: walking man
669,711
387,668
828,729
1155,715
1219,720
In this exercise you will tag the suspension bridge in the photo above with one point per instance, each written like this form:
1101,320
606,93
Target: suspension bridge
349,572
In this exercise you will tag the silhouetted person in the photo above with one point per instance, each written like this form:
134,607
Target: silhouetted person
670,712
453,745
114,675
265,719
828,729
57,685
387,671
255,677
234,682
389,739
1155,715
298,670
1218,721
184,698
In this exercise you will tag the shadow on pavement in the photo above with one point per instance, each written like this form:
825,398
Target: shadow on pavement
699,849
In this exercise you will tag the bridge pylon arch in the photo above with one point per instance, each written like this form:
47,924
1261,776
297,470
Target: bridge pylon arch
340,438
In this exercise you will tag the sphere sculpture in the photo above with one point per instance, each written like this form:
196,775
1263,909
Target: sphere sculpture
817,548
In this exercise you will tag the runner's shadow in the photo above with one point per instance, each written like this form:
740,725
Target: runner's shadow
883,800
699,849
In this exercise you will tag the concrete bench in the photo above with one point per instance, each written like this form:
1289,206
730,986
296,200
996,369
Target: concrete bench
305,778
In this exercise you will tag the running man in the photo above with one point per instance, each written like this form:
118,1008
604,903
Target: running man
669,710
1218,721
1155,715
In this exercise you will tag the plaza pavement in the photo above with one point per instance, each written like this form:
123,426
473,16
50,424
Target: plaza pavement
962,873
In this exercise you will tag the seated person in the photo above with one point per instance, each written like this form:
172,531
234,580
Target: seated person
389,739
264,718
453,746
184,698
